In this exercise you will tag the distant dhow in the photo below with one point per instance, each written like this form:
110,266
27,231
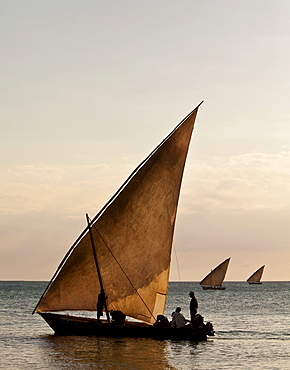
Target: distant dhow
256,276
216,277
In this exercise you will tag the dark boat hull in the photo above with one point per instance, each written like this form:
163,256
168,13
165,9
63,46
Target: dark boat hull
213,287
71,325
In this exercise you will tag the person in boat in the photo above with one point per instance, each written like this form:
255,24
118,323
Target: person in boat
178,320
101,303
193,306
161,320
118,317
200,325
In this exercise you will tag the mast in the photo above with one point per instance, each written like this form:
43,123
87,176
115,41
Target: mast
97,266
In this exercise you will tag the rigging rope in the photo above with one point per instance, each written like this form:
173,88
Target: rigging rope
123,271
176,261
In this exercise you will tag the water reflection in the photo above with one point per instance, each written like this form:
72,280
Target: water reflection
105,353
187,355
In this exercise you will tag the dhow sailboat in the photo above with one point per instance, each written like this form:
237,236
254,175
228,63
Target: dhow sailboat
124,255
256,277
216,277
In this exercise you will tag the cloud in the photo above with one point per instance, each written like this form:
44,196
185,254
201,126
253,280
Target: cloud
68,190
238,207
228,206
238,184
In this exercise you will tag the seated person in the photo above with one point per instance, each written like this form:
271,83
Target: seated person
161,320
197,321
178,320
118,317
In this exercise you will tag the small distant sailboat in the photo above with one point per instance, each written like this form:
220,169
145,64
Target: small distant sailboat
216,277
256,276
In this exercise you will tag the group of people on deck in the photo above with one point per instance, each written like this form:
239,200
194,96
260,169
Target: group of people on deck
178,320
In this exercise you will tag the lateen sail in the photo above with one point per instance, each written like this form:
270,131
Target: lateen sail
133,239
217,275
256,276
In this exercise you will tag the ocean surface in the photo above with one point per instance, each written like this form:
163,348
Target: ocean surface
252,324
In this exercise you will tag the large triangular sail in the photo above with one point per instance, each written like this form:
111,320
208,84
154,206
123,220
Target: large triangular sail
256,276
133,239
217,275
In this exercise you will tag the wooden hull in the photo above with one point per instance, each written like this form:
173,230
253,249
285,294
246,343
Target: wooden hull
213,287
71,325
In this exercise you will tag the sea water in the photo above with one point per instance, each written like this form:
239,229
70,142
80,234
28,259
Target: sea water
251,322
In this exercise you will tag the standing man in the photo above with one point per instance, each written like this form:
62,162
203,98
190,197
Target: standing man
193,306
101,303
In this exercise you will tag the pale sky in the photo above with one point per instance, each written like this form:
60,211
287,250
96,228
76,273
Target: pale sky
89,88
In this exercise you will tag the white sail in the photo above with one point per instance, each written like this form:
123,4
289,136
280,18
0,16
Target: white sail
217,275
133,239
256,276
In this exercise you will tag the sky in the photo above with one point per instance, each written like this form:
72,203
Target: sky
90,88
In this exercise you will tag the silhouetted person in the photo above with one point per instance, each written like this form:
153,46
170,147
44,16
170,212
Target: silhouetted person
162,319
101,303
193,306
118,317
178,320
